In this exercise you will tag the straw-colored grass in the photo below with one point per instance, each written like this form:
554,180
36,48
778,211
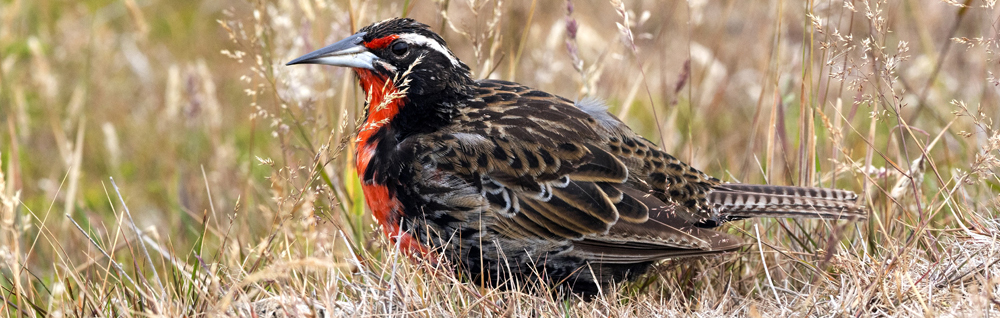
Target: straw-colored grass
234,192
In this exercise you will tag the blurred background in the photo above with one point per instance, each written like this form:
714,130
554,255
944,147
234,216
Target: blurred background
219,149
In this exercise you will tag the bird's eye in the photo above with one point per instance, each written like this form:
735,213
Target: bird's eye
399,48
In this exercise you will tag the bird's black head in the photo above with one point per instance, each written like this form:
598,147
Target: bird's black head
396,49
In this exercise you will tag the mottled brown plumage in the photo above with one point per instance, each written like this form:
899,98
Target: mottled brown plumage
512,184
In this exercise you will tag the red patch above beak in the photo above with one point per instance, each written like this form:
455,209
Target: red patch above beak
380,43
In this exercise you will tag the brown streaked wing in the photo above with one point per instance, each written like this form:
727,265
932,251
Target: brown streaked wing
602,167
545,152
665,234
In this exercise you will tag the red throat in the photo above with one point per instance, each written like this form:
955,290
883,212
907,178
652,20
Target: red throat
383,105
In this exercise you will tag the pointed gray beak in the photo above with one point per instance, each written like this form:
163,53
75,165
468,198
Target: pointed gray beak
349,52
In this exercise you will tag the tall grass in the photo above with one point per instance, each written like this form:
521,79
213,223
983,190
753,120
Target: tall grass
234,193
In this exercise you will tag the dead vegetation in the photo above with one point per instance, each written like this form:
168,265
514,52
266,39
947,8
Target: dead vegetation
238,195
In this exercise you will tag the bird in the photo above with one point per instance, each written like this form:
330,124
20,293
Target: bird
513,186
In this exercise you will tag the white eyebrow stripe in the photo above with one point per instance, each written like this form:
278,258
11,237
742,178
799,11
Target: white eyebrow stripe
428,42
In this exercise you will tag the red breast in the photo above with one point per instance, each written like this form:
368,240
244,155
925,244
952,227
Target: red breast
383,105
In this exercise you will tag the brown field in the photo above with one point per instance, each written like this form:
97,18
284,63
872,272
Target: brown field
158,158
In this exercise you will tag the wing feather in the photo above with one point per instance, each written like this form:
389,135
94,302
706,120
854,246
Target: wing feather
602,167
553,225
663,235
585,197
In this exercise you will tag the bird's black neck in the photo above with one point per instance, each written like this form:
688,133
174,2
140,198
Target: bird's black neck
428,110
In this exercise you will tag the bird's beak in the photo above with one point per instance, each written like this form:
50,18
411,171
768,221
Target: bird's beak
349,52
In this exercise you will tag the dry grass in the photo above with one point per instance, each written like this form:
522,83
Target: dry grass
236,182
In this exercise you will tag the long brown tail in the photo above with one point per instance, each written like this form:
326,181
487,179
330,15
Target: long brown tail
738,201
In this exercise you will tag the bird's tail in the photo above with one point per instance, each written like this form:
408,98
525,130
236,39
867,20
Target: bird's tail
739,201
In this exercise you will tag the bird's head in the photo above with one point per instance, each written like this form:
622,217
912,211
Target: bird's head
395,49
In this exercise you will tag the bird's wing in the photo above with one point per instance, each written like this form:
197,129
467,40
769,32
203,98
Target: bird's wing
665,234
545,172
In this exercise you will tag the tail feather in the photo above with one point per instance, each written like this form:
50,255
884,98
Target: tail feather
739,201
